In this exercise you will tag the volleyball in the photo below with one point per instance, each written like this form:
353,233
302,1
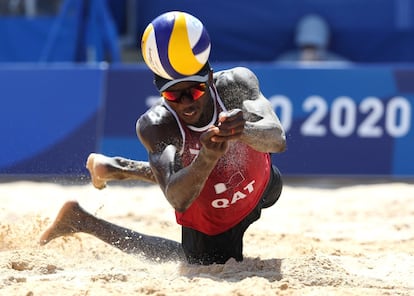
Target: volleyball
175,45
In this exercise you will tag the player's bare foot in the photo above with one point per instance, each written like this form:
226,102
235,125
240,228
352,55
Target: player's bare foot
65,223
97,169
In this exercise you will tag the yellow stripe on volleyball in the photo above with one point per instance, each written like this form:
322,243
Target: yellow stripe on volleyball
180,53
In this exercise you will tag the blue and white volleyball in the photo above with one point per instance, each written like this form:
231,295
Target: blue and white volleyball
175,45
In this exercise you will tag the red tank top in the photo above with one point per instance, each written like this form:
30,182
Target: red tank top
233,188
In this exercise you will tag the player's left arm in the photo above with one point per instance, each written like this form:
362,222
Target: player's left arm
262,128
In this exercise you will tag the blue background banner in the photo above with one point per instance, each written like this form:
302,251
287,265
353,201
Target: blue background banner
354,120
128,90
50,118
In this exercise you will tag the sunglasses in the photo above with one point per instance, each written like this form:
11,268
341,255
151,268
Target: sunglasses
196,92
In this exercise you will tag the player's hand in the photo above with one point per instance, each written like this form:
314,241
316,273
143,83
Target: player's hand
231,126
213,149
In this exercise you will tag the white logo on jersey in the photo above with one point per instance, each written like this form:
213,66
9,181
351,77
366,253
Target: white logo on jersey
238,195
234,181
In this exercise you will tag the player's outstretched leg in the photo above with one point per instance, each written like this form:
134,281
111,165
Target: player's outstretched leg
72,218
66,222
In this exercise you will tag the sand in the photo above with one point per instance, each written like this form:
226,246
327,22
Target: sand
322,238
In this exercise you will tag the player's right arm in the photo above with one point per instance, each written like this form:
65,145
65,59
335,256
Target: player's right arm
160,134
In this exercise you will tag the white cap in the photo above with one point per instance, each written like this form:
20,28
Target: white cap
201,76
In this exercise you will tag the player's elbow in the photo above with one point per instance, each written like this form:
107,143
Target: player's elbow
282,146
282,143
279,145
179,207
179,204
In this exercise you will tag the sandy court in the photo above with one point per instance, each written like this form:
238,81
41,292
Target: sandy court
321,238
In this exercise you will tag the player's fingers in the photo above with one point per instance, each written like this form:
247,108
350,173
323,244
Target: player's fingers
209,134
231,115
229,135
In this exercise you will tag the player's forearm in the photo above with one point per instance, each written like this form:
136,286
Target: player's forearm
126,169
186,184
264,137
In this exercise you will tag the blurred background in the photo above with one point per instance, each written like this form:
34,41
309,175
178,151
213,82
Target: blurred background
339,73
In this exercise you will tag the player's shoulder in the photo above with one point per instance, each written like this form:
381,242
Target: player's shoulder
155,117
236,77
153,124
236,85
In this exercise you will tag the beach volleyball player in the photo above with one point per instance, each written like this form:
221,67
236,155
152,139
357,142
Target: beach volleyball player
209,140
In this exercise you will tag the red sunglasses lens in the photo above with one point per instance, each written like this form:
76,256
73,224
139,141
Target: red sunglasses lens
171,95
196,92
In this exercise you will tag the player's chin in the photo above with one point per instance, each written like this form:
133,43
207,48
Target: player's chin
190,117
